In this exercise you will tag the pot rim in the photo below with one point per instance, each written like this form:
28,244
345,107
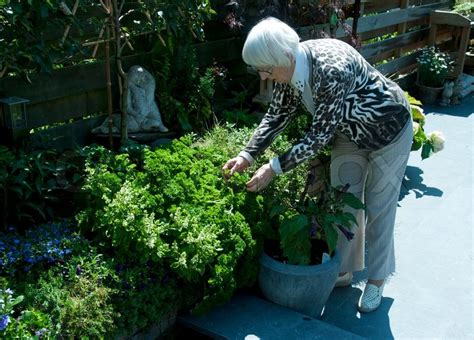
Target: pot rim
301,270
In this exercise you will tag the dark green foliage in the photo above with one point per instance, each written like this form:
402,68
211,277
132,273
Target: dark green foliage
29,39
33,182
185,92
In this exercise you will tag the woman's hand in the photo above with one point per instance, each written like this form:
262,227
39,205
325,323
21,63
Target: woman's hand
261,178
238,164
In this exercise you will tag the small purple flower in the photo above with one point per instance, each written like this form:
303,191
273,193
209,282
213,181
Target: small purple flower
78,270
4,321
349,235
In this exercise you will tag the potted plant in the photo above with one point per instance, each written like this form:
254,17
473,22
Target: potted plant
433,68
300,264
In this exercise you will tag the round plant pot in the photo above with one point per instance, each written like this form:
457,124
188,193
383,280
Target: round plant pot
427,94
305,289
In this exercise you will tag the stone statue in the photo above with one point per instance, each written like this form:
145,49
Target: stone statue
447,93
143,114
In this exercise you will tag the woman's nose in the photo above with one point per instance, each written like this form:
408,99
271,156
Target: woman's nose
263,75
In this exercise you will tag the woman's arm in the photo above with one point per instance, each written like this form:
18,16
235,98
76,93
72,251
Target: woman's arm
328,114
282,107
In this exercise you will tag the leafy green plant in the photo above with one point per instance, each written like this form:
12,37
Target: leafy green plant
19,323
239,114
33,181
433,66
429,144
185,92
306,222
177,212
465,8
85,289
28,38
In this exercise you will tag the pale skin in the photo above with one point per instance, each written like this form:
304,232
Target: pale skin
264,175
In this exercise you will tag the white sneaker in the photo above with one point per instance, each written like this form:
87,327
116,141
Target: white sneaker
371,298
344,280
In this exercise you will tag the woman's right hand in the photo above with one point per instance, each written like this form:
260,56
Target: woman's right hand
238,164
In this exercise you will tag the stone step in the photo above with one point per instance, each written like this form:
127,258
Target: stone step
250,317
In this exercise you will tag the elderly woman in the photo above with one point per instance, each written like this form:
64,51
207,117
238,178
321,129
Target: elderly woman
364,116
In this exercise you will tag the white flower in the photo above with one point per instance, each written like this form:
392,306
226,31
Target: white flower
416,128
437,140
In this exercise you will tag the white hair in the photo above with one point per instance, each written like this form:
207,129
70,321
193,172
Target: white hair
270,42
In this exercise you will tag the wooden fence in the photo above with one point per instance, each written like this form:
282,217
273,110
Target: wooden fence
74,93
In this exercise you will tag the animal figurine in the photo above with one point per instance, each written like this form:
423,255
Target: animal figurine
447,93
458,87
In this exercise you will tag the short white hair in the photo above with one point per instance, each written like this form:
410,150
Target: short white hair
270,42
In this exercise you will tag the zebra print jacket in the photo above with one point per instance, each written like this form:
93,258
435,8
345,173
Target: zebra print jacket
349,95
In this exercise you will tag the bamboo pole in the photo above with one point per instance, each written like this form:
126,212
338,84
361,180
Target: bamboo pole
122,74
109,85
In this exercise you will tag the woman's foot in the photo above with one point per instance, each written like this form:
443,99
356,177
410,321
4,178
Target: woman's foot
344,279
372,296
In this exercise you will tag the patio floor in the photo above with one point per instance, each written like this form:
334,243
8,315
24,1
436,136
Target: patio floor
431,294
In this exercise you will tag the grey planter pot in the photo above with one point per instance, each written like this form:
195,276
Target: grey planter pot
305,289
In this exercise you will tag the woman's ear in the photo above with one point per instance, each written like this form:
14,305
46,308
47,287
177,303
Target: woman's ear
290,57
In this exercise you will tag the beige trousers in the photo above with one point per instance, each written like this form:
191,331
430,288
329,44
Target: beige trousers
375,178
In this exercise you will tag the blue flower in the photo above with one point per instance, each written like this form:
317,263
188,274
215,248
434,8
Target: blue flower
41,332
4,321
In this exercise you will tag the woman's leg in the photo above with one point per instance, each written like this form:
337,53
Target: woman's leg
386,171
349,166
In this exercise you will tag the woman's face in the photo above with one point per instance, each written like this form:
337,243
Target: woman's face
280,74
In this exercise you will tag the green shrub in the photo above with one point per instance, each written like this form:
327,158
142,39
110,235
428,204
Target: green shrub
179,213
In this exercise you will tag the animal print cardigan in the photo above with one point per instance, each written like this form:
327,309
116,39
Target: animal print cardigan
349,95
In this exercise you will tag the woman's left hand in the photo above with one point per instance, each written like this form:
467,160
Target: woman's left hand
261,178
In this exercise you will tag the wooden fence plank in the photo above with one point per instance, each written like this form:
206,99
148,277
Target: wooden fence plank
373,22
394,65
65,82
67,136
66,108
371,50
381,6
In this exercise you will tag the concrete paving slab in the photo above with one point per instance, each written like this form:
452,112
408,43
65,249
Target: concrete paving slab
250,317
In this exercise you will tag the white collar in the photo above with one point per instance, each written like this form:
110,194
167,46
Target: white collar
301,73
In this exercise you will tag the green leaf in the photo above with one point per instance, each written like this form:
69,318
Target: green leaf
36,208
277,210
294,239
352,201
331,237
17,300
426,151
